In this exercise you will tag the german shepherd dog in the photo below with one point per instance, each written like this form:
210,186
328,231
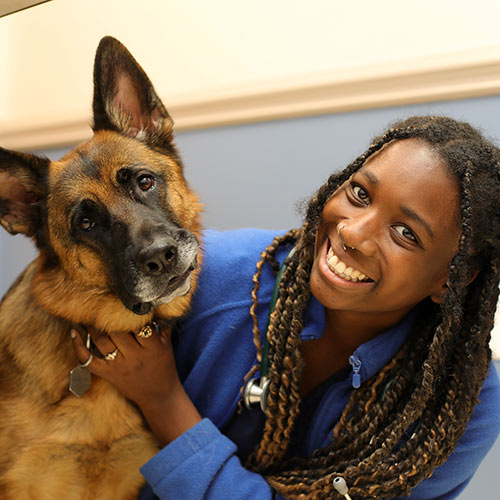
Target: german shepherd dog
117,229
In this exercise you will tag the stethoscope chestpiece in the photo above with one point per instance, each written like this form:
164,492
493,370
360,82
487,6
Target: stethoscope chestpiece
256,392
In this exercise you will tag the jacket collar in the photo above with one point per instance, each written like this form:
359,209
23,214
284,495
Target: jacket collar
374,354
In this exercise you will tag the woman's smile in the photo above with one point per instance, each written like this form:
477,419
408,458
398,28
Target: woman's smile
340,270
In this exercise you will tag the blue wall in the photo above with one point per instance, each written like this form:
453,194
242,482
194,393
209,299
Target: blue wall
254,175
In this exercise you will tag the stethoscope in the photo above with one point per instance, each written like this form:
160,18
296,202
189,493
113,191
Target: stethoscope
257,389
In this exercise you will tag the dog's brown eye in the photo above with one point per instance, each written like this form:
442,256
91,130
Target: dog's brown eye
145,182
85,223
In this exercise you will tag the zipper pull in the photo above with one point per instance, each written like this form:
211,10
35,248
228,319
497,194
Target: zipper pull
355,362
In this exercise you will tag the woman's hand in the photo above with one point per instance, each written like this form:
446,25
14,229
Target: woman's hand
144,371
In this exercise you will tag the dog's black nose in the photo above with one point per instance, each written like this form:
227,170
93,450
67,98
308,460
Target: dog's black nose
158,259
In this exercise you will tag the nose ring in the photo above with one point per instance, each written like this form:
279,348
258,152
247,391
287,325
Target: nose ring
342,239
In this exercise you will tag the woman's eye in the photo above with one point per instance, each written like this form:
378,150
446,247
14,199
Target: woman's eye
146,182
406,233
85,223
359,193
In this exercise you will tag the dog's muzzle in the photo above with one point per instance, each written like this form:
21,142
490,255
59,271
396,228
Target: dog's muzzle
161,271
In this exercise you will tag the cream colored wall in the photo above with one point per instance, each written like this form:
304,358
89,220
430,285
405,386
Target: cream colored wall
229,61
226,61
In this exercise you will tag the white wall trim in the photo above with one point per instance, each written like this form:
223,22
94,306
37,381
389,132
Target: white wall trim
470,73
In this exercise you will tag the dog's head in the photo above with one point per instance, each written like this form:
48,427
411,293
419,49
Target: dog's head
114,219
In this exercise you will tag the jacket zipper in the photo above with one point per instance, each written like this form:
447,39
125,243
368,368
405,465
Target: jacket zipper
355,362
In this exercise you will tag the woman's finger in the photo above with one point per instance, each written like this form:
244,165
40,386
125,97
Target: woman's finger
147,333
128,343
91,362
82,352
125,342
164,332
105,346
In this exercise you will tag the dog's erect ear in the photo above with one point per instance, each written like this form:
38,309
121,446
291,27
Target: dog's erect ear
22,191
124,98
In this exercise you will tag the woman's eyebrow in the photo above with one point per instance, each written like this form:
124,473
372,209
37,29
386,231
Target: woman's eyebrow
413,215
371,177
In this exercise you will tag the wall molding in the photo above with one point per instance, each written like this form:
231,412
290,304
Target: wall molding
471,73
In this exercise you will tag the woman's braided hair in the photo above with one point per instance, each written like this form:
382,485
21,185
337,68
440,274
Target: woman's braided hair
431,386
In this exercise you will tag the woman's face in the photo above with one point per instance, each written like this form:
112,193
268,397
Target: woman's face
400,215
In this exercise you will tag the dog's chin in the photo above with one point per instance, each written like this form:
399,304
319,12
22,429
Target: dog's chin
143,305
179,292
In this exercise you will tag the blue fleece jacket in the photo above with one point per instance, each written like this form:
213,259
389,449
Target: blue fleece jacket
214,352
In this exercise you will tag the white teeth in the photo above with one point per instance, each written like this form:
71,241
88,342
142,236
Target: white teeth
333,260
340,268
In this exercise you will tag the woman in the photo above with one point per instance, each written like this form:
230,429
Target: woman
374,379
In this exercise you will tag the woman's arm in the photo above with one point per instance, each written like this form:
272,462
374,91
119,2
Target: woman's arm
201,465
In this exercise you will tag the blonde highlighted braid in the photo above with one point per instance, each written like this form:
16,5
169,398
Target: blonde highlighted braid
429,389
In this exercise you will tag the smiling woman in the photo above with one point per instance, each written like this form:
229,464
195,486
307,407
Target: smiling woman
397,218
415,213
394,273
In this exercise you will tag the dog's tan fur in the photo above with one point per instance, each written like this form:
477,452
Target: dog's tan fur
54,444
